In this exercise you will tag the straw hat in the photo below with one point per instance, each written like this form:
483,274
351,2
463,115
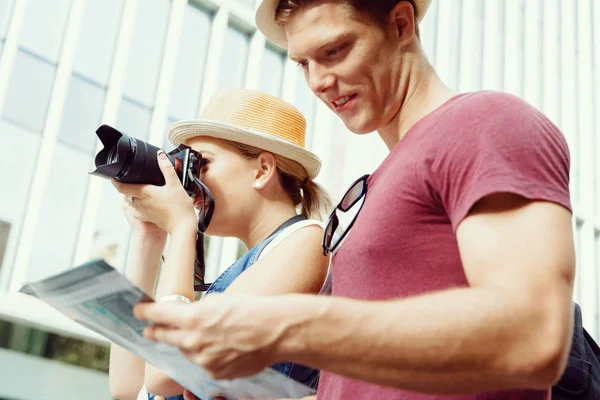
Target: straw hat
265,20
253,118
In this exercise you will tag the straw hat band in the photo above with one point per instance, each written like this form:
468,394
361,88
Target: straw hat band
258,114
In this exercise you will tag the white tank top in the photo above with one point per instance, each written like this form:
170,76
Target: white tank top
326,288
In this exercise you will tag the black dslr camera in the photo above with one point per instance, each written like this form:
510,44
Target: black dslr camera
130,160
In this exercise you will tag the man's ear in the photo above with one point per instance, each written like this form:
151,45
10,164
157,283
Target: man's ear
402,23
266,168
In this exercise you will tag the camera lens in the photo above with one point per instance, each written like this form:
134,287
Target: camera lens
127,159
112,156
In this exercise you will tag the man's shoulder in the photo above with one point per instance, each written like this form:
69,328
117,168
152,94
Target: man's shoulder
490,114
480,113
490,104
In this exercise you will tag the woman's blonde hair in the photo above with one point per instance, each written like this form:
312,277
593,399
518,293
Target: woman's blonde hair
315,202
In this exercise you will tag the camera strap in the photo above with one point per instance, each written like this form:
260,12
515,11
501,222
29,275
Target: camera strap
200,286
204,217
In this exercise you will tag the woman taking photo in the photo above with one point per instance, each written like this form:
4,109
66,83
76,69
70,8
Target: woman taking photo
256,167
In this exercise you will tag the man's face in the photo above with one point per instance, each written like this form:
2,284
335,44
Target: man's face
349,62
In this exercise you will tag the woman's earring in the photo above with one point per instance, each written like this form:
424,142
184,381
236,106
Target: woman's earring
257,185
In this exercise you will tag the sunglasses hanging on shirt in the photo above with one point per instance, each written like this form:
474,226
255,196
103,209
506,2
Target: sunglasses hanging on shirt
334,231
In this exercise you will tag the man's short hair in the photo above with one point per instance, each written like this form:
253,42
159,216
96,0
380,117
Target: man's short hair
377,10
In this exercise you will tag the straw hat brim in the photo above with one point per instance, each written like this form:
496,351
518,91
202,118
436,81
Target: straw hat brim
185,130
265,20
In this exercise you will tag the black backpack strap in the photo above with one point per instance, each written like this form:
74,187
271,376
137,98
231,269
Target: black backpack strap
581,378
592,344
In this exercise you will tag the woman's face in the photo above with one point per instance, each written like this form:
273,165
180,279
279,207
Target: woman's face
230,177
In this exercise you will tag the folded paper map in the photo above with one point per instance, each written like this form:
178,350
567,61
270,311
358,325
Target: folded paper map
98,297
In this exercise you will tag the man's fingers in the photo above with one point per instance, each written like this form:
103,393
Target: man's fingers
179,338
304,398
187,395
171,313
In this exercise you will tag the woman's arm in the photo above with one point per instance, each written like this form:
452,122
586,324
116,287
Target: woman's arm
176,277
170,208
126,370
296,265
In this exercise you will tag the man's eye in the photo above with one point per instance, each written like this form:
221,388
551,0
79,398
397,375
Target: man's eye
332,52
204,163
335,51
302,63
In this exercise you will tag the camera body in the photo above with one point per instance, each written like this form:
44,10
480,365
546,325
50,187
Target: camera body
130,160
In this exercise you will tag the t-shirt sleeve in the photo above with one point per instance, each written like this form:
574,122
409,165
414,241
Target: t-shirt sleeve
497,143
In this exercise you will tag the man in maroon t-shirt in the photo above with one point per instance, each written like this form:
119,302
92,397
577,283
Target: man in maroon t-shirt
456,278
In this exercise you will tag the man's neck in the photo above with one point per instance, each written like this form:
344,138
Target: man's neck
425,92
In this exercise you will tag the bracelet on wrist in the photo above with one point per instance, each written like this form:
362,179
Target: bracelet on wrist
173,297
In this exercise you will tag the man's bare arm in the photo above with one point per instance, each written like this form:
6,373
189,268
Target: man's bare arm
510,329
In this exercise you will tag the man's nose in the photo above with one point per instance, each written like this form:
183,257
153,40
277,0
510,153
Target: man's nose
320,79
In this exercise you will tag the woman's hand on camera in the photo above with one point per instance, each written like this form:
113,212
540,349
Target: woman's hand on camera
168,206
141,227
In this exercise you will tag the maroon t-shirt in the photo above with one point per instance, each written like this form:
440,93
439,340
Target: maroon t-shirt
403,242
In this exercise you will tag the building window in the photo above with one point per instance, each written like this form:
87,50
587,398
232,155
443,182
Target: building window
448,41
428,31
43,27
569,93
4,230
514,51
29,91
471,46
16,172
59,220
82,114
247,3
493,45
27,101
6,7
186,90
145,53
271,71
306,101
58,226
234,59
111,236
98,39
